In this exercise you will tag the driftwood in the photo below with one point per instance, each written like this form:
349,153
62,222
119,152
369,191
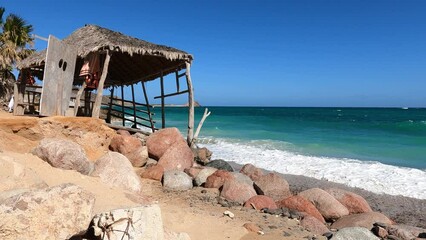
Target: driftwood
190,135
205,115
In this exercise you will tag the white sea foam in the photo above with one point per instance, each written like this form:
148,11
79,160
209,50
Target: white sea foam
372,176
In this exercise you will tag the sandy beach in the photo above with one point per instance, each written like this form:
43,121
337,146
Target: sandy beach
198,211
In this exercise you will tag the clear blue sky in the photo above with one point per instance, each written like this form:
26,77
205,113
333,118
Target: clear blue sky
269,53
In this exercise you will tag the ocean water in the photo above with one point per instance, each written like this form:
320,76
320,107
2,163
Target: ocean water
377,149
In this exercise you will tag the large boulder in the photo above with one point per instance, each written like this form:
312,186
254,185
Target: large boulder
242,178
116,170
65,154
177,180
218,178
405,232
202,176
301,204
220,165
154,172
53,213
177,157
130,147
142,222
161,140
259,202
353,202
237,191
365,220
313,225
272,185
354,233
327,205
253,172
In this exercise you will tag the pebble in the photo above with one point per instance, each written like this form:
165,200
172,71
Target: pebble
229,214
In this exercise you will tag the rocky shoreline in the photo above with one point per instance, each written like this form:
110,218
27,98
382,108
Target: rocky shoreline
161,177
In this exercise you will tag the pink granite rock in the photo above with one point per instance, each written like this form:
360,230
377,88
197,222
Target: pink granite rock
253,172
260,201
237,191
365,220
301,204
353,202
314,225
177,157
327,205
160,141
217,179
272,185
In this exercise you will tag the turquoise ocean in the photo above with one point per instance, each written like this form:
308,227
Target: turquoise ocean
378,149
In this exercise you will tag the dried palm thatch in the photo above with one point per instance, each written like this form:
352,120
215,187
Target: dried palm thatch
132,59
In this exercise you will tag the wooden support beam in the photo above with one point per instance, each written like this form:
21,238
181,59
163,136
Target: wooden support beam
163,114
133,102
77,98
98,101
148,107
122,105
190,134
19,93
171,94
108,119
177,81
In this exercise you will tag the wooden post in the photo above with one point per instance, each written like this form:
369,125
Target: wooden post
163,115
134,107
190,135
19,93
108,120
147,106
122,105
98,101
77,98
177,80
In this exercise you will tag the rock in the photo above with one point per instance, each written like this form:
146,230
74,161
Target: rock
142,222
379,231
130,147
161,140
313,225
193,171
301,204
405,232
52,213
326,204
65,154
142,137
123,132
220,165
154,172
253,172
218,178
259,202
177,180
365,220
116,170
242,178
202,176
252,227
14,175
353,202
234,190
354,233
272,185
202,155
229,214
177,157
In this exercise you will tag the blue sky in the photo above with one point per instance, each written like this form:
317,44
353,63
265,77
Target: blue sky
269,53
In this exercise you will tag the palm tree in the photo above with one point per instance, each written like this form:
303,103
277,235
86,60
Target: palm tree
15,40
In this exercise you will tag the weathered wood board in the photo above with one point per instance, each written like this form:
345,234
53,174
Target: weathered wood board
58,78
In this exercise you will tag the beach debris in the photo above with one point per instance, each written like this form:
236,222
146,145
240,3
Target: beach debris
229,214
205,115
260,233
252,227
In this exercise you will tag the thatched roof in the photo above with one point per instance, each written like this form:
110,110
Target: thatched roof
132,59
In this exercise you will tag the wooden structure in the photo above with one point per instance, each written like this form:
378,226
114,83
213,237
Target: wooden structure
125,61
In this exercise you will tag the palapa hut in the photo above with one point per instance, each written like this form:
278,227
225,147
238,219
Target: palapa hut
124,61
